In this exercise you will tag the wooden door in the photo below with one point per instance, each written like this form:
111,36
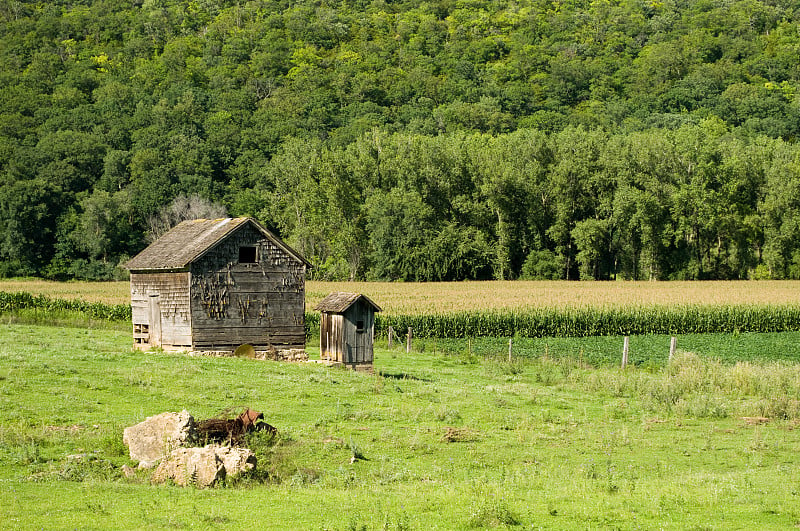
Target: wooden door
155,321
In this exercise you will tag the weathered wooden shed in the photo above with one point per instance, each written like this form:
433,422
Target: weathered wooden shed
216,285
347,329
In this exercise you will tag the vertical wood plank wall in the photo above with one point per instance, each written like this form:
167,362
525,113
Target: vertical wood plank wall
340,339
359,344
330,336
172,290
260,304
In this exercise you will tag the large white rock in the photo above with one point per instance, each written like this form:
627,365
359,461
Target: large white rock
236,460
203,467
190,466
151,440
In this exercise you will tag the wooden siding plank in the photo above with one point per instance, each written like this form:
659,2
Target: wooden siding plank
169,318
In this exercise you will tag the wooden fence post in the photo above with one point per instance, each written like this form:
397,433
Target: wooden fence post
673,344
408,340
625,348
510,343
391,331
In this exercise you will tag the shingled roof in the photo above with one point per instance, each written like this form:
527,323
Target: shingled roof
340,301
189,240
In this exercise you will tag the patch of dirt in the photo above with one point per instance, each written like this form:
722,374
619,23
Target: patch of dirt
755,421
459,435
75,428
649,423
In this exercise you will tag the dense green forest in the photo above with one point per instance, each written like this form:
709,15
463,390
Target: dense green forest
440,140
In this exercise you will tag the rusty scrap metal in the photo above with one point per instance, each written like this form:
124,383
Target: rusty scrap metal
233,430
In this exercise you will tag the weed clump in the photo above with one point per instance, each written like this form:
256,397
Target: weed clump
492,511
705,388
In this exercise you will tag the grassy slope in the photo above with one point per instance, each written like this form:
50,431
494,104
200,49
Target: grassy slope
548,444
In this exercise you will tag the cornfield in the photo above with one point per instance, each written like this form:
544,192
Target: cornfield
529,322
572,322
10,302
106,292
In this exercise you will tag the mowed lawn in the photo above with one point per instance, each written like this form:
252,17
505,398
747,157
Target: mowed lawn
450,441
434,297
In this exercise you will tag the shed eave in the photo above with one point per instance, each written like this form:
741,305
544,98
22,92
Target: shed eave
263,230
142,271
283,245
231,225
340,301
190,240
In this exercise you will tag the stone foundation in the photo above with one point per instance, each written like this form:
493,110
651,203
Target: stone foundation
360,367
295,354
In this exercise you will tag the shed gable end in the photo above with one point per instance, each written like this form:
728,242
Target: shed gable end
216,285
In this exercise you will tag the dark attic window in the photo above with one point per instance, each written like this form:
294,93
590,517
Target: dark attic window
359,326
247,255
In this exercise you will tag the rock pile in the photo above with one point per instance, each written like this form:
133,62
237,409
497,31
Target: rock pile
170,440
293,354
151,440
203,467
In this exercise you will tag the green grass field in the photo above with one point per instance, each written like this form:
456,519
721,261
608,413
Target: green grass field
451,440
645,351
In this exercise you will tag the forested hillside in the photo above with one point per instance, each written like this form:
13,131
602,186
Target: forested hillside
408,140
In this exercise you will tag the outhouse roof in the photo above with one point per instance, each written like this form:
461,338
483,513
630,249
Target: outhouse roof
191,239
340,301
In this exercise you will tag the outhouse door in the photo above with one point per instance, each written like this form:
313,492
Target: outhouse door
360,339
362,342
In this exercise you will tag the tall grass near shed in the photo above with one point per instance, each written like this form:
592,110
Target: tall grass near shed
706,388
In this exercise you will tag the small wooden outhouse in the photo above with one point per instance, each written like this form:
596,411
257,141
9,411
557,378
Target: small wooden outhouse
347,329
217,285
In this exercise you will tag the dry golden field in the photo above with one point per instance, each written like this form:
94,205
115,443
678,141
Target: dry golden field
456,296
437,297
